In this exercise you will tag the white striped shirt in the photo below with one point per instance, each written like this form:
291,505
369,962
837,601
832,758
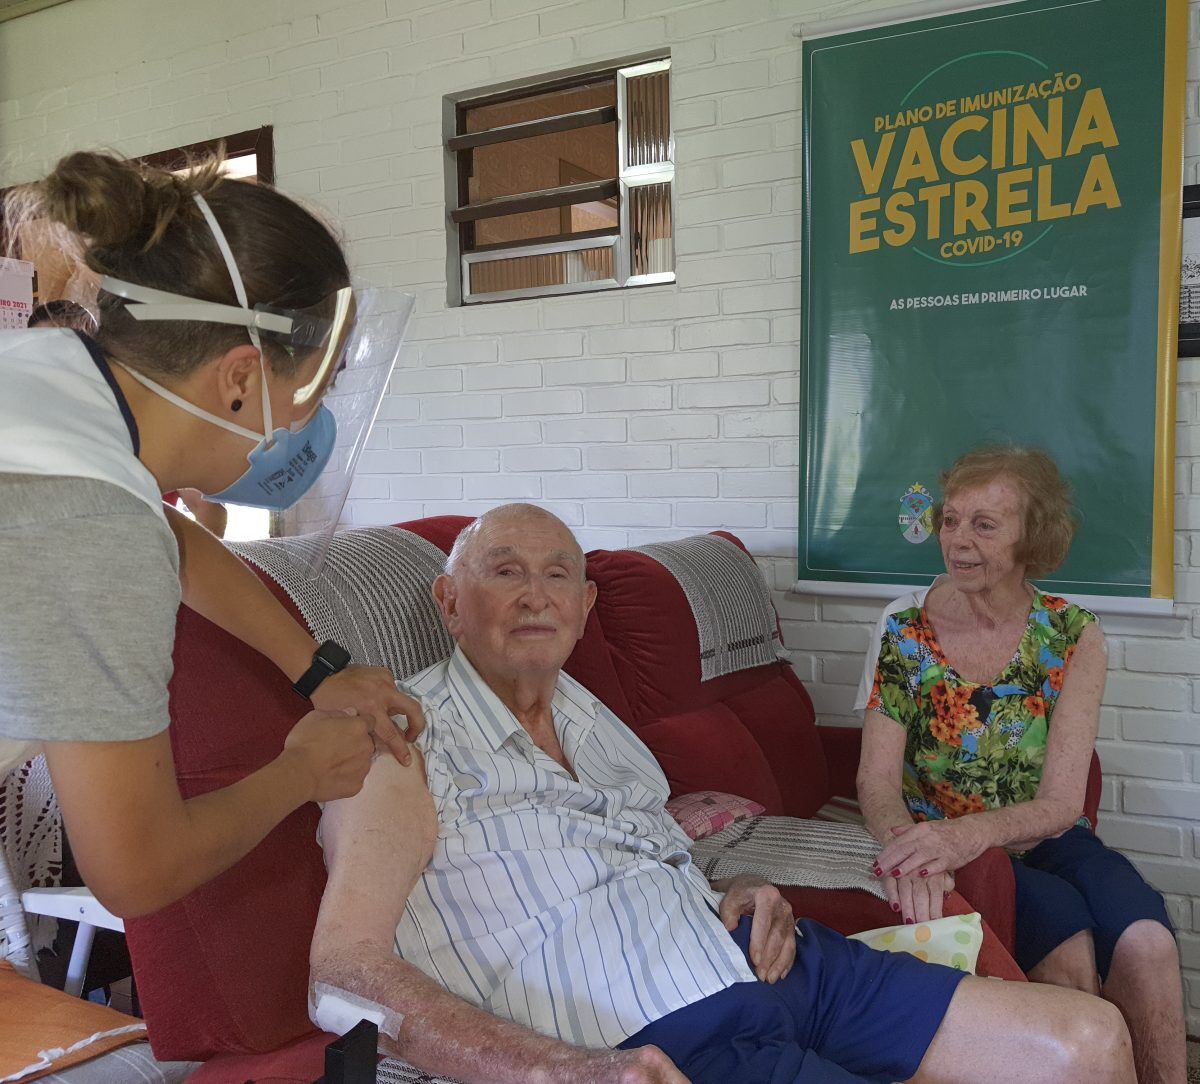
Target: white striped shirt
569,906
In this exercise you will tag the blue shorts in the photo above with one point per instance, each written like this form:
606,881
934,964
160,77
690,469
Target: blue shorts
1076,883
845,1012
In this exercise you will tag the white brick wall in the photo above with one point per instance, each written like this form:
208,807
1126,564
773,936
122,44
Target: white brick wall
638,416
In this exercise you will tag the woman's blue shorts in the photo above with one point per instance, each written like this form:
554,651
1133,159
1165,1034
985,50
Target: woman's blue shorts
844,1013
1076,883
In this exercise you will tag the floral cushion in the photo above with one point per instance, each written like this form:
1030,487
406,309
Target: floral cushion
706,812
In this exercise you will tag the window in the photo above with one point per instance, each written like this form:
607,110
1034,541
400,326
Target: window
565,186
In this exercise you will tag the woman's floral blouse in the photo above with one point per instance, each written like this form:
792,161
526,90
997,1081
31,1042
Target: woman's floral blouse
974,747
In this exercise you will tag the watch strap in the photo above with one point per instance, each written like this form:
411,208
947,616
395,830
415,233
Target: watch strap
330,658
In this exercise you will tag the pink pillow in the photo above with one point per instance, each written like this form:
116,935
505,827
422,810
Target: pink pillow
706,812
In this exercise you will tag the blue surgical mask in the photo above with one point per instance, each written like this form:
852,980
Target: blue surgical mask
283,464
281,472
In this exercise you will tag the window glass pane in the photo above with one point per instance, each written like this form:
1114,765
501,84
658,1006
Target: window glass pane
555,223
549,269
538,106
648,111
509,228
242,166
652,244
547,161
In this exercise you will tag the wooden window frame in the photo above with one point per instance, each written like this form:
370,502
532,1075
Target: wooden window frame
463,216
257,141
527,129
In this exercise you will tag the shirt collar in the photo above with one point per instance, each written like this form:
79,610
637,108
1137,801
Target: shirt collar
477,701
101,363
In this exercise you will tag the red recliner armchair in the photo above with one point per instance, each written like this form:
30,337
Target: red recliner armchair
223,974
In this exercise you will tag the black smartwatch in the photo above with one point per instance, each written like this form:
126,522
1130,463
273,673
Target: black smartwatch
329,658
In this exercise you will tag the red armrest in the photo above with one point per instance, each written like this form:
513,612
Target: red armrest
995,959
1091,797
298,1062
988,884
842,747
852,912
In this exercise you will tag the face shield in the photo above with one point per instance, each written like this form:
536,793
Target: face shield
355,336
353,396
322,332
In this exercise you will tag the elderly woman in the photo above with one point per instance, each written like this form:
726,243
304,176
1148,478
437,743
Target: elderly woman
959,691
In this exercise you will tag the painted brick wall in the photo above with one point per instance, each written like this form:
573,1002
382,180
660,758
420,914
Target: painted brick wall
639,416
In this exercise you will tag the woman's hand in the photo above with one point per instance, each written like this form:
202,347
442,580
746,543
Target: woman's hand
921,850
919,899
371,691
333,751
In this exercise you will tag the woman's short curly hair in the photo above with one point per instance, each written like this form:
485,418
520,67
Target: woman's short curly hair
1049,517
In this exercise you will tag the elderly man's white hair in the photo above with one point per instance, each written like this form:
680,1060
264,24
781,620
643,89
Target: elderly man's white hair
467,537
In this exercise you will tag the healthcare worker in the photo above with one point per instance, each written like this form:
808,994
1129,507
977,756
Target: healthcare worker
225,314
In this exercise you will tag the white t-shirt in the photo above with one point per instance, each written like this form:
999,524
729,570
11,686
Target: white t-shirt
89,569
911,601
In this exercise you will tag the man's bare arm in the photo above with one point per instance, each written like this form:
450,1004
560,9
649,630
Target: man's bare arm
376,846
140,846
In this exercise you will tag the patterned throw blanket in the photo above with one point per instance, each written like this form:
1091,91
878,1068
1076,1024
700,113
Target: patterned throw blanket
15,944
790,851
30,857
372,595
730,602
393,1071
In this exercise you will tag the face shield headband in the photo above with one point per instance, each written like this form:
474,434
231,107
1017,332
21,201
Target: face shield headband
324,328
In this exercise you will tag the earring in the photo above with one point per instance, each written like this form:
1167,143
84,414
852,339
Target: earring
236,405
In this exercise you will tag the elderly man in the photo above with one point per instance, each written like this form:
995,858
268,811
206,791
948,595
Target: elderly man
524,902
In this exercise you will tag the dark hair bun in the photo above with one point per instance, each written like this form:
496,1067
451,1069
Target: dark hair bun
141,224
115,203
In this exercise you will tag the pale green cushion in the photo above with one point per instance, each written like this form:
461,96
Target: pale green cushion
954,941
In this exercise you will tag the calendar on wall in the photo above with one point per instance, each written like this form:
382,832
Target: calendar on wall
16,293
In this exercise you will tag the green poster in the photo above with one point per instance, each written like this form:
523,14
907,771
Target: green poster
991,212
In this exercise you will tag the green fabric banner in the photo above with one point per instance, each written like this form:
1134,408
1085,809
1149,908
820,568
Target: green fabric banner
986,241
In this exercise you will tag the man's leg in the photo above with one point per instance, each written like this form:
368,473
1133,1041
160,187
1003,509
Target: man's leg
847,1012
744,1034
741,1035
887,1017
1039,1034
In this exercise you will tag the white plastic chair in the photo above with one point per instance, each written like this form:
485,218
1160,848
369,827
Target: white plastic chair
77,905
